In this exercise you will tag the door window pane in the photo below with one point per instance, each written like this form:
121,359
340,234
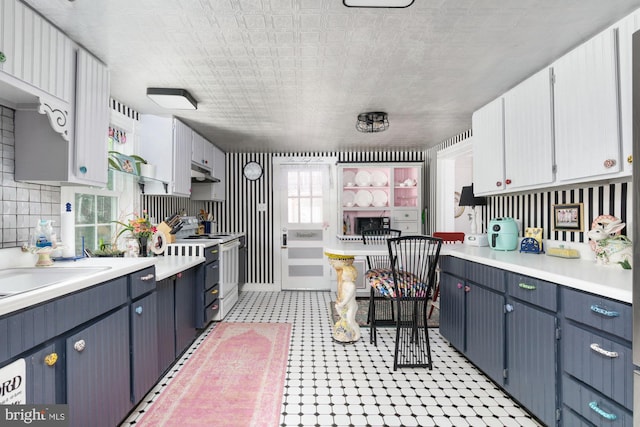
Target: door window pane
305,191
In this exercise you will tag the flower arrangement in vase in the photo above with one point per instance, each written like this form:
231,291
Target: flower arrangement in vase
140,228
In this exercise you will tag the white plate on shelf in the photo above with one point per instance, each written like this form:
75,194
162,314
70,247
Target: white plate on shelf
348,198
348,178
363,179
364,198
379,178
380,198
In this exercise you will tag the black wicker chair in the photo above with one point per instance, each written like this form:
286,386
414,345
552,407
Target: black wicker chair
409,284
380,308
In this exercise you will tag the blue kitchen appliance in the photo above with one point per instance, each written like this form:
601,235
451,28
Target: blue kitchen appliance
503,234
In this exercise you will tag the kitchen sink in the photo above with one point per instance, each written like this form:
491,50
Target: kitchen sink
17,280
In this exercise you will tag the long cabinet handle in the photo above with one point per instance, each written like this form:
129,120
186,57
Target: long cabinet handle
527,287
149,276
601,412
596,347
600,310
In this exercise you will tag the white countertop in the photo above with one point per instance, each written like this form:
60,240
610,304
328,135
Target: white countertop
165,267
611,281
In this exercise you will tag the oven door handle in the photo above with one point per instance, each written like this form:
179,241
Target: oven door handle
225,247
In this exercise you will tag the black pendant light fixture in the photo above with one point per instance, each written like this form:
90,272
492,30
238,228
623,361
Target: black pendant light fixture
376,121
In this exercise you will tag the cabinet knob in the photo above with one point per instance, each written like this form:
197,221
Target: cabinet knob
79,345
630,158
609,163
139,309
3,57
51,359
459,285
83,169
507,181
213,292
498,183
508,308
179,275
467,288
214,307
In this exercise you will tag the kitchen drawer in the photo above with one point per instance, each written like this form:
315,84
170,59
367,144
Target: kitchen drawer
534,291
211,294
611,374
212,274
142,282
406,227
601,313
211,311
211,254
411,215
454,266
594,407
485,275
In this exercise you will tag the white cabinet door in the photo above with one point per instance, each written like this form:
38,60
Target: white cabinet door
528,134
181,182
197,149
35,52
92,120
587,140
210,155
626,28
488,148
219,171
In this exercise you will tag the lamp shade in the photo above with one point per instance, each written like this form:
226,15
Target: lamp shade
467,198
376,121
175,99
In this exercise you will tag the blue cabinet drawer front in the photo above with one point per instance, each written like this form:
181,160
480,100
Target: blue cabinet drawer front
211,294
211,311
454,266
211,254
535,291
592,406
143,281
484,275
611,374
601,313
212,274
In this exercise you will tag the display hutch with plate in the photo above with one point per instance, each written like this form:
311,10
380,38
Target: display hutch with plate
372,195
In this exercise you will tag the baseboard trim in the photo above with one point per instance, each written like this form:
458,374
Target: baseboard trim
266,287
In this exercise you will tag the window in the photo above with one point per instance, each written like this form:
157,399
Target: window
93,219
304,196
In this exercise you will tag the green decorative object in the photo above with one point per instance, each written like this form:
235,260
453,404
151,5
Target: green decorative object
3,57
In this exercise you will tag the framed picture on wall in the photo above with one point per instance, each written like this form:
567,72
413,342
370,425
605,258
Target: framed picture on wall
568,217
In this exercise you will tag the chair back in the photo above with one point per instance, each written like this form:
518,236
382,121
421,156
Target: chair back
378,236
413,265
449,236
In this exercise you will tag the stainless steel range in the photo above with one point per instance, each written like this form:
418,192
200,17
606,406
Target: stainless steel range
228,244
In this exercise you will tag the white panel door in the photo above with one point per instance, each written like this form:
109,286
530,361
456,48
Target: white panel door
488,148
587,140
528,134
92,120
181,182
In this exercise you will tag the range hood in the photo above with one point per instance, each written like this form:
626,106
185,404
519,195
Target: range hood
199,174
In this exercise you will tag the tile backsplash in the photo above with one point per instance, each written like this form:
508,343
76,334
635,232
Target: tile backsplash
23,204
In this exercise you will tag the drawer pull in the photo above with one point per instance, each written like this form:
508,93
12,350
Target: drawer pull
597,309
595,347
215,251
213,292
149,276
527,287
601,412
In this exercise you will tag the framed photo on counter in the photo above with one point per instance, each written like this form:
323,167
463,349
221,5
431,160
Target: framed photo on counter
568,217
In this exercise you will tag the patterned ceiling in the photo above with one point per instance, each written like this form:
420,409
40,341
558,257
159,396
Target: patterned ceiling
292,75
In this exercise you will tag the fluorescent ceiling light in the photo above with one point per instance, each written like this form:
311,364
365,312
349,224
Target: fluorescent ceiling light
175,99
377,3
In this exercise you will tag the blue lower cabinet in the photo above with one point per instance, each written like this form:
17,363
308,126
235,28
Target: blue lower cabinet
165,323
485,322
452,310
185,295
144,346
590,405
532,359
98,372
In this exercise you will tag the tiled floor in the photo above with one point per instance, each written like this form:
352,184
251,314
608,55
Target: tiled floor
332,384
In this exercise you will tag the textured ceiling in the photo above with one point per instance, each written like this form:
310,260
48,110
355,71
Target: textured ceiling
292,75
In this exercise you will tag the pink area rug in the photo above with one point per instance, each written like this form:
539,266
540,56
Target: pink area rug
235,378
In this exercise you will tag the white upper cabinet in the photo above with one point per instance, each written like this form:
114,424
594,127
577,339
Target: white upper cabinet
587,139
92,120
626,28
488,148
34,52
214,191
166,143
528,133
201,151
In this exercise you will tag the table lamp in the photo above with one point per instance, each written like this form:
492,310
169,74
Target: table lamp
467,198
